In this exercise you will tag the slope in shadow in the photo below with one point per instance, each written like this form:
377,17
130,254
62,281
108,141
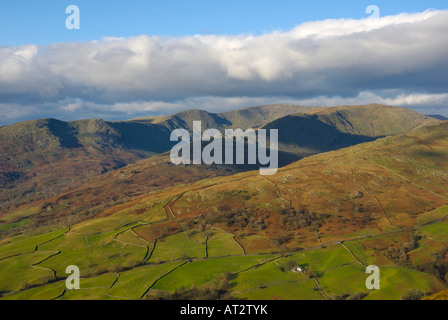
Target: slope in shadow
303,135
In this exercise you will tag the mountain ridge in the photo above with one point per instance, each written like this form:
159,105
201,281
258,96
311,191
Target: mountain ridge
41,158
383,203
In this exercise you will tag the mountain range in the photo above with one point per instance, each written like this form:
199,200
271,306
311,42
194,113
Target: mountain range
42,158
358,185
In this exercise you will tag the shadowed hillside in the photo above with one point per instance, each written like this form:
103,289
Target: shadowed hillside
254,117
329,129
42,158
438,117
382,202
373,120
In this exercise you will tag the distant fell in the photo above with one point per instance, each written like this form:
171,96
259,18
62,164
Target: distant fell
438,117
326,129
42,158
373,120
253,117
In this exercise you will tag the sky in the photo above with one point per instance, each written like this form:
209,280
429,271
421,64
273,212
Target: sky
142,58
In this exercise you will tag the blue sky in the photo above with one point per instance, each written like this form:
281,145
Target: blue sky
43,21
139,58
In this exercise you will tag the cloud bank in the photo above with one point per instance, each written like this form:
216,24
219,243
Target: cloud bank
400,60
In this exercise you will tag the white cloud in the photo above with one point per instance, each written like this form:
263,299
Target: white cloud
399,60
420,100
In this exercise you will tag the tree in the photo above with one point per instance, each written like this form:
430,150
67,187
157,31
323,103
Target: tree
413,294
310,273
290,265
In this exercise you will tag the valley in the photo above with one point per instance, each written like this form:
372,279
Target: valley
213,232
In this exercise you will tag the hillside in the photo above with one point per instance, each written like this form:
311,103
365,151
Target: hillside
438,296
373,120
382,202
258,116
43,158
253,117
85,201
406,172
327,129
438,117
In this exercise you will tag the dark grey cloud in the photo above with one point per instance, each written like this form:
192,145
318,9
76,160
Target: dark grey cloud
400,60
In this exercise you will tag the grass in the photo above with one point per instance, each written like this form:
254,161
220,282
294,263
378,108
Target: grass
427,247
102,281
85,294
15,225
397,280
323,184
300,290
90,288
436,231
22,213
22,244
107,224
257,244
365,255
93,288
131,238
21,266
204,271
47,292
221,243
132,284
434,215
344,280
321,259
176,247
360,233
92,254
263,276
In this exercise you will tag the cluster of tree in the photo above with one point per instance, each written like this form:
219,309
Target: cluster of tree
438,266
414,294
362,218
289,265
241,218
400,254
292,219
345,296
281,239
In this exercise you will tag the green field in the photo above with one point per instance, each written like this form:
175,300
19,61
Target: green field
131,238
395,281
46,292
179,246
89,251
221,243
267,275
134,283
436,231
22,244
300,290
434,215
321,259
203,271
345,280
116,263
29,275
